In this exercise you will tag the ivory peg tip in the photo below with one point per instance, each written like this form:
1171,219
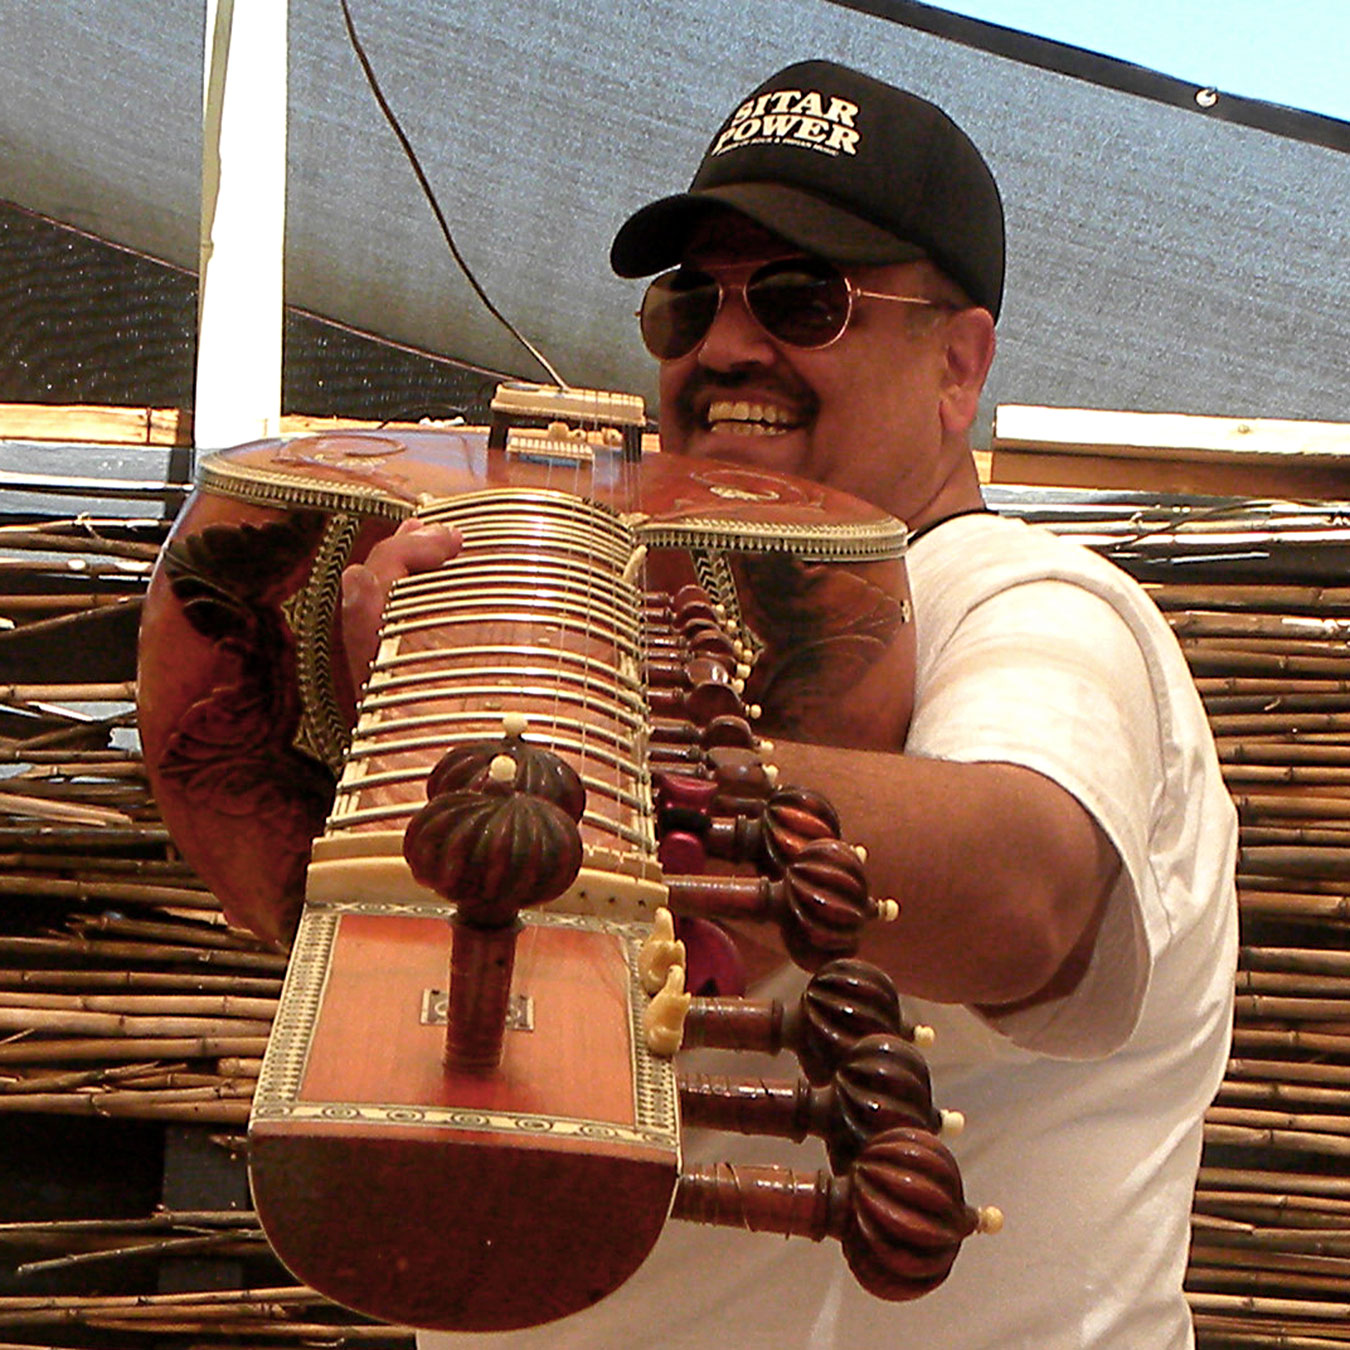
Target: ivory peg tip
888,911
924,1036
742,671
754,712
861,851
655,964
660,952
663,1018
771,774
766,747
514,723
988,1219
953,1122
633,568
502,769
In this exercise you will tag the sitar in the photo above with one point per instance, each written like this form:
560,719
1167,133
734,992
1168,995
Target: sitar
505,866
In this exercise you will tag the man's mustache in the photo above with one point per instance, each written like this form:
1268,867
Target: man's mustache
704,386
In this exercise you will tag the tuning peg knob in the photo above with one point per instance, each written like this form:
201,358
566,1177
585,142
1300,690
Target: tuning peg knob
907,1215
493,855
882,1082
845,1001
825,903
794,817
538,772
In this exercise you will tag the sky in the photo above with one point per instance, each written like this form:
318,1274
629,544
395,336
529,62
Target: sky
1294,52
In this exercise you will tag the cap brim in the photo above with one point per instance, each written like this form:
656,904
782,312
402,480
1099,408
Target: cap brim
655,237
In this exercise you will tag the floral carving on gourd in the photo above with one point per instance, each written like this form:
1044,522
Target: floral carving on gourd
231,753
824,627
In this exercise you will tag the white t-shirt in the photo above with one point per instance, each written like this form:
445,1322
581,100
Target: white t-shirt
1084,1114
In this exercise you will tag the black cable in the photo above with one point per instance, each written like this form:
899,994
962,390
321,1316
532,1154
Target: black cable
435,205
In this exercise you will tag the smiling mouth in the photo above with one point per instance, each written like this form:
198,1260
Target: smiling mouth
739,417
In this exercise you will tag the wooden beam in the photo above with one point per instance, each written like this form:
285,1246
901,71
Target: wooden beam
86,424
80,423
1170,452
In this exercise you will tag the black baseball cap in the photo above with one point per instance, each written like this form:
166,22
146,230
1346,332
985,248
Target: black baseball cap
846,167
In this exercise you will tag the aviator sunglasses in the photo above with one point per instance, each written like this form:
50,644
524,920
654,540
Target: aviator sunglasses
801,302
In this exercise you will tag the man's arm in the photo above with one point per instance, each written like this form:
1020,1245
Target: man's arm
1001,875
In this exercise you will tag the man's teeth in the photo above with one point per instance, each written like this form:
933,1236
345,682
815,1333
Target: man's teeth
748,419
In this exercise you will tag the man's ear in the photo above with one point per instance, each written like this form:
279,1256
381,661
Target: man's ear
969,354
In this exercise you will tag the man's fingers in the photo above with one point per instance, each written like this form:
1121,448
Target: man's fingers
416,546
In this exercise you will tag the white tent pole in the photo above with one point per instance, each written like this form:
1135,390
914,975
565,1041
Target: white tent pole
243,223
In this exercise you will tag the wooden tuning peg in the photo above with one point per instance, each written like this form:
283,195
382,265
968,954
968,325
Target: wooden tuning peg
492,849
899,1211
821,903
844,1001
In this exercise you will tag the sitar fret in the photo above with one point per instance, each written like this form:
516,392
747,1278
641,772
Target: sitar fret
601,823
385,778
496,571
485,722
624,674
548,599
535,619
577,622
393,690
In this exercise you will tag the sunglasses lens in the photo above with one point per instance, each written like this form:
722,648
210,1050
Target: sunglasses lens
799,304
677,312
796,302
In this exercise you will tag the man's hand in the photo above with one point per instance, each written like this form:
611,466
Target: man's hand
416,546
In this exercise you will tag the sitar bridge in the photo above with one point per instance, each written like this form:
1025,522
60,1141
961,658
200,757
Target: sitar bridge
551,425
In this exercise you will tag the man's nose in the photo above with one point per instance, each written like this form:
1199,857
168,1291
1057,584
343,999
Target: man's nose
735,338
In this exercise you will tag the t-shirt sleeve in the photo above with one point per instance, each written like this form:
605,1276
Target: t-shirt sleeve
1048,676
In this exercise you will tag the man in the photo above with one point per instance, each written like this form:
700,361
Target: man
1055,826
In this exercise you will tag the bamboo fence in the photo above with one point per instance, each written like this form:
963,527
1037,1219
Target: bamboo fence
1266,632
1270,1262
124,995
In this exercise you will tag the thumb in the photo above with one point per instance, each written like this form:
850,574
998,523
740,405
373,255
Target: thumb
362,605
